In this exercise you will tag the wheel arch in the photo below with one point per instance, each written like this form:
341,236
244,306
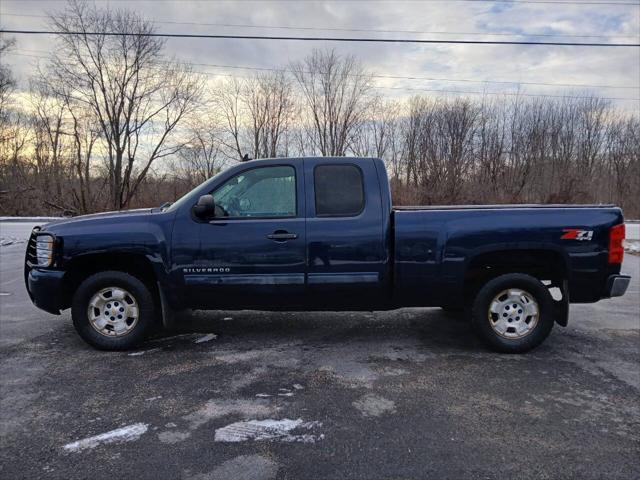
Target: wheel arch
138,265
545,264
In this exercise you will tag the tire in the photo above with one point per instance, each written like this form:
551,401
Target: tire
132,310
498,323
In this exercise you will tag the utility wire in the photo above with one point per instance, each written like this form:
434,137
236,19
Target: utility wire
414,89
374,75
509,94
362,29
432,79
321,39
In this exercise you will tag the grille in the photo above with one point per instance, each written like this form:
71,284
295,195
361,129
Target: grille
31,258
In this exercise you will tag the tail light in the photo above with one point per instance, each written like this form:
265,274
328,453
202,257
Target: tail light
616,249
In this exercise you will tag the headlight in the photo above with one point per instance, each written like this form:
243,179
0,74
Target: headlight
44,250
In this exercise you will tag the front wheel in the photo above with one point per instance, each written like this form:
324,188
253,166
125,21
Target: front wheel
513,313
113,310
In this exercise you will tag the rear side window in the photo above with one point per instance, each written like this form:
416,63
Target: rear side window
339,190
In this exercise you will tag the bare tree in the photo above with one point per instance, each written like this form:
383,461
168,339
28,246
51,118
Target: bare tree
137,98
109,107
334,90
622,163
255,115
200,159
7,82
269,102
85,133
227,101
373,135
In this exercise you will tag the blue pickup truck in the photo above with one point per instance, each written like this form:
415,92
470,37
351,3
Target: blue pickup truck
321,234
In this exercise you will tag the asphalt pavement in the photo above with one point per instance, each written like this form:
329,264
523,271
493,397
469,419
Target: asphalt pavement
260,395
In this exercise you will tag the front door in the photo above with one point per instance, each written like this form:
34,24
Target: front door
252,254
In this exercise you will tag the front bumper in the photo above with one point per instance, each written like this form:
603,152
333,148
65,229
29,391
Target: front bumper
617,285
46,289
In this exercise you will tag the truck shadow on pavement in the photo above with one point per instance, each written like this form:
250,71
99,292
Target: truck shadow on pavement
430,328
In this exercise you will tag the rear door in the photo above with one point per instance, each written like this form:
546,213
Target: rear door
346,257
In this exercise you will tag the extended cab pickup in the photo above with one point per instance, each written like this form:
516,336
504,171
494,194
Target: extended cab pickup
321,234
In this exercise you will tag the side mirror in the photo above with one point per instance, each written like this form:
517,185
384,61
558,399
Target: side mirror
205,208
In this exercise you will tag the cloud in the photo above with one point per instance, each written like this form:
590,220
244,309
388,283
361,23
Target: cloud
574,65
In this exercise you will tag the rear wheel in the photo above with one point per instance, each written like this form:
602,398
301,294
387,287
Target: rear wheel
513,313
113,310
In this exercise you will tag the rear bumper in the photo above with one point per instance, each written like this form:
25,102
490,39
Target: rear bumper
46,290
617,285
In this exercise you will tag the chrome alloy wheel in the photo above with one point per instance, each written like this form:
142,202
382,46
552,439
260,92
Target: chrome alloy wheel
113,312
513,313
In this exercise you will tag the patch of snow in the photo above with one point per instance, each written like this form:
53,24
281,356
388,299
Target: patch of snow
14,232
31,219
262,395
286,394
244,467
129,433
372,405
142,352
260,430
226,319
173,436
175,337
256,408
297,386
632,231
632,246
6,241
394,371
207,338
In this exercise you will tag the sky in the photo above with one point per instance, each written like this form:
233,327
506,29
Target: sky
572,71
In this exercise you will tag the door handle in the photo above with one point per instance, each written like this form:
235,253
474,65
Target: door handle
282,236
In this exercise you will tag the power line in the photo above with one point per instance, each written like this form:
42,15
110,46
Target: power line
382,76
433,90
322,39
436,79
509,94
361,29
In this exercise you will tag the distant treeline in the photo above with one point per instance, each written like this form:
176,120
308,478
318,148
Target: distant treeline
111,122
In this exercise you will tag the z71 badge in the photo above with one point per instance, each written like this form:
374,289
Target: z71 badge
575,234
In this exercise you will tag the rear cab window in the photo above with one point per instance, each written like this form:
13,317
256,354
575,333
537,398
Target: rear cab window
339,190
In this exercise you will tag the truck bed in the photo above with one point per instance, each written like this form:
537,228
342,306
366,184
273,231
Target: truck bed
435,246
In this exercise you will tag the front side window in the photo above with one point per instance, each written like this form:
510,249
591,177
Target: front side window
259,192
339,190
